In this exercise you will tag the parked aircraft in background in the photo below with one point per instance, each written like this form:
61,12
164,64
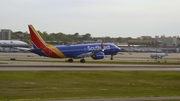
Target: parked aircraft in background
13,43
158,55
94,50
10,45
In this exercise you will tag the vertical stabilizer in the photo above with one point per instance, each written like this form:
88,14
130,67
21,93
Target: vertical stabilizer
41,47
36,38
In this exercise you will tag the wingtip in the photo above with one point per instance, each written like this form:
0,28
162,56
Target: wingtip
102,45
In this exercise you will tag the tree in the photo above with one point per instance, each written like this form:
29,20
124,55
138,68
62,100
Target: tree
87,36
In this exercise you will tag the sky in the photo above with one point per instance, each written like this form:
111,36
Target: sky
100,18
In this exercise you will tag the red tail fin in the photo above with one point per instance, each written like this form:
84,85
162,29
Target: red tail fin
36,38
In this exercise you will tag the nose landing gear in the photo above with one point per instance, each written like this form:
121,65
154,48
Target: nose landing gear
111,57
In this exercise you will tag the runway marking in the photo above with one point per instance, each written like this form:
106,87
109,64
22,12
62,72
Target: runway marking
86,68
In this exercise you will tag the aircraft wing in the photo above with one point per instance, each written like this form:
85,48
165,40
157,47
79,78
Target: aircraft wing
84,55
21,48
89,53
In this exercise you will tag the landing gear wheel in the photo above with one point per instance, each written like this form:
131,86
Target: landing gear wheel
70,60
111,57
82,60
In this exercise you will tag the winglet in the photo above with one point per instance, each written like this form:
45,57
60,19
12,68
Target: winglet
166,54
102,46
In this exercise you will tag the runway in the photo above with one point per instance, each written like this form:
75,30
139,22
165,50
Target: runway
50,66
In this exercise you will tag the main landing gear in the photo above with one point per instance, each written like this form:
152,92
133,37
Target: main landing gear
82,60
71,60
111,57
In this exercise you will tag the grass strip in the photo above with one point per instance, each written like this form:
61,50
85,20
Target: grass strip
77,85
3,63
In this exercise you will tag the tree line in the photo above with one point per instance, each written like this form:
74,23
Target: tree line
61,38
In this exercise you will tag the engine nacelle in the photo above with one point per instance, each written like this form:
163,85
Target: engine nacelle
99,55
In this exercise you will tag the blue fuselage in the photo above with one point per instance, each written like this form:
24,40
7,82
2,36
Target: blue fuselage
72,51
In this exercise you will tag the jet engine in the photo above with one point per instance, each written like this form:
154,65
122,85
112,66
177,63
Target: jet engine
99,55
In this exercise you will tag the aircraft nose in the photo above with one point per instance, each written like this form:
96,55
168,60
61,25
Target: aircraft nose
118,49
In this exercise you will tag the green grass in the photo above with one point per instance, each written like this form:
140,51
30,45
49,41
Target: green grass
3,63
77,85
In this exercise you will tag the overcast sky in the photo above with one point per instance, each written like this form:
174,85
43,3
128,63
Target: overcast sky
100,18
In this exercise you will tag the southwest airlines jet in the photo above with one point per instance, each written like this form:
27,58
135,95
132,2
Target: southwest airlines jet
94,50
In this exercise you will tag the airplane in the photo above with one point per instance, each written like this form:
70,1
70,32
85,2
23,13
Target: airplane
158,55
80,51
10,45
13,43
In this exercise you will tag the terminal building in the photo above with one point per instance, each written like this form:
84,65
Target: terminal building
157,44
146,43
5,34
168,41
158,41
